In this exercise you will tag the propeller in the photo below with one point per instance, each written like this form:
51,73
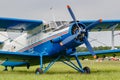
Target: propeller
70,38
80,33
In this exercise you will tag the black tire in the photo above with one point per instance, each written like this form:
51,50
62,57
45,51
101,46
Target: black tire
38,71
86,70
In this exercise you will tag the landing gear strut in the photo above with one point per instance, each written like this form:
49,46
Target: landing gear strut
78,67
66,61
42,69
5,69
12,67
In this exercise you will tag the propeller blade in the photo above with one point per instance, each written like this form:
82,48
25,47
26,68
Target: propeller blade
89,47
68,39
92,25
71,13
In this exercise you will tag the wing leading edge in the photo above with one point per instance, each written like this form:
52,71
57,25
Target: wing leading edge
104,25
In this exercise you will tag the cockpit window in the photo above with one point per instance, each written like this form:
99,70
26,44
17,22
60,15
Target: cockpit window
50,27
55,26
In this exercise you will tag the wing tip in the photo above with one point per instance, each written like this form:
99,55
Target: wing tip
100,20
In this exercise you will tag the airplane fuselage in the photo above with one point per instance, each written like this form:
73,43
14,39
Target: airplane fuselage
49,43
45,42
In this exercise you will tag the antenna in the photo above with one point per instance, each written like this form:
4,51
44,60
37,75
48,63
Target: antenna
53,16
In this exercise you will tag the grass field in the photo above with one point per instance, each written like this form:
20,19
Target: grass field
107,70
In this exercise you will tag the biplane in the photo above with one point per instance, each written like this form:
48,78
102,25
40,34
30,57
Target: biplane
34,42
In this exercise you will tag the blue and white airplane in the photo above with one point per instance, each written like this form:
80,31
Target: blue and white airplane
38,43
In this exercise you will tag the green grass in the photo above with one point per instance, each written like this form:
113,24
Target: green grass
107,70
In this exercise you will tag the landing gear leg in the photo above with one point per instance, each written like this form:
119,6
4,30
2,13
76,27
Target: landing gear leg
83,70
28,66
12,67
5,69
78,67
39,70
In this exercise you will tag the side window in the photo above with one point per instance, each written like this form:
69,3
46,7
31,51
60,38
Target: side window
46,28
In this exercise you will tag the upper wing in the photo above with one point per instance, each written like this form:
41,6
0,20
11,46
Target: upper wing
19,24
96,52
104,25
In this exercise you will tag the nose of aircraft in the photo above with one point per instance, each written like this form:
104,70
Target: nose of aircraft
79,32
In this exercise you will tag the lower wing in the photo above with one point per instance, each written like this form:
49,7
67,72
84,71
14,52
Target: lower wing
96,52
19,58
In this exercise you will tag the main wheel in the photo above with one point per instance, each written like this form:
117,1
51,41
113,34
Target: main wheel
38,71
86,70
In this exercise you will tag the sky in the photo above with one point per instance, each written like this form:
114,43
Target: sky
41,9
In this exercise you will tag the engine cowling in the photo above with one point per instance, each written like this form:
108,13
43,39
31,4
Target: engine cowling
79,29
